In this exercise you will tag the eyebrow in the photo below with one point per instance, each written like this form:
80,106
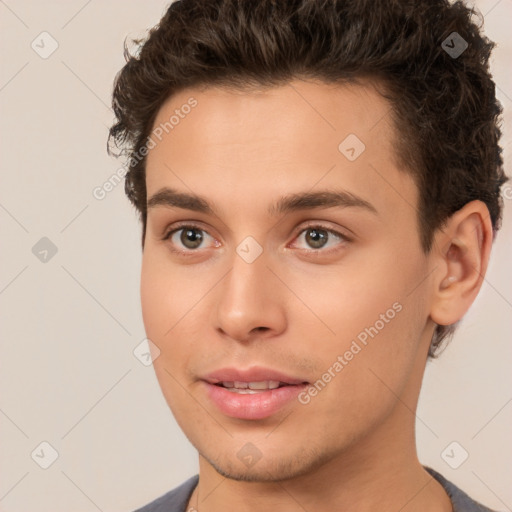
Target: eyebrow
168,197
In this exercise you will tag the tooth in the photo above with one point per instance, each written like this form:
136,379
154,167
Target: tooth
243,391
266,384
246,386
258,385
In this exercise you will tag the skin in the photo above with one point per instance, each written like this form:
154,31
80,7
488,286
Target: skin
353,445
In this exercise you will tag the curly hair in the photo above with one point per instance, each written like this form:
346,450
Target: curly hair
443,105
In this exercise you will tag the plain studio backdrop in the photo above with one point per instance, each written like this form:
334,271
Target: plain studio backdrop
75,398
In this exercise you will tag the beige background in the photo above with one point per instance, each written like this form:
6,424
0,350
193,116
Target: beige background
69,326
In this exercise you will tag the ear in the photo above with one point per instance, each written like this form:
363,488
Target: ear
461,253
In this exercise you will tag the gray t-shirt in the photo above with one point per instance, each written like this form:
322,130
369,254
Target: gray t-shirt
176,500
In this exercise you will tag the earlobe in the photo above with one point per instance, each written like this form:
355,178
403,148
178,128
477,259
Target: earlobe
462,253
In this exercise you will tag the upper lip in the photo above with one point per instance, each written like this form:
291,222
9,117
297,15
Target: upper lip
253,374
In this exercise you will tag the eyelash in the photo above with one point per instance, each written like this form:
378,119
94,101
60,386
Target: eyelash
193,252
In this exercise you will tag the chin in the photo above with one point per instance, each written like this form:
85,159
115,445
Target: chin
271,470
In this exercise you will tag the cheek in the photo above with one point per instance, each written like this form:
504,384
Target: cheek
164,306
162,298
378,314
173,309
167,293
153,296
367,294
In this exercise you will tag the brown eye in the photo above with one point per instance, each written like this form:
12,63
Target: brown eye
187,238
316,238
191,238
321,240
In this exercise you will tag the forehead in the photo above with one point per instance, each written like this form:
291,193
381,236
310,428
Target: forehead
263,142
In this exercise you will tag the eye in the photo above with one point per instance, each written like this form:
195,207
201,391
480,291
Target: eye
317,237
189,236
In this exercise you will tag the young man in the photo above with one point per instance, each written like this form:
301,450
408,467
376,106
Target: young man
319,188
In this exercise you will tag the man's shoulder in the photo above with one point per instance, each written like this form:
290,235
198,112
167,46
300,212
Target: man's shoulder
460,500
174,500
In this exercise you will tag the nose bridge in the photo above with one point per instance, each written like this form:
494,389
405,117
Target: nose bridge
247,298
247,282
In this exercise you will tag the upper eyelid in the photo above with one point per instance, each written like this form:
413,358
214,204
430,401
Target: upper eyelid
183,225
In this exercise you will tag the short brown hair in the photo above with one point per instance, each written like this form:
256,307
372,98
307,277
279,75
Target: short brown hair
443,105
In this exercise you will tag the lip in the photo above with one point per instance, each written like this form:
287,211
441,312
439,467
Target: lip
251,406
254,374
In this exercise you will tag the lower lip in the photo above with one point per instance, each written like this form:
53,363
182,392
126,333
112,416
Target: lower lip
255,406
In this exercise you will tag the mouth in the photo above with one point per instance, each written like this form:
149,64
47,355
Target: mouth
251,388
252,394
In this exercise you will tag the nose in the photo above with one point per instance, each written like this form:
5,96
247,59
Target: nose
250,302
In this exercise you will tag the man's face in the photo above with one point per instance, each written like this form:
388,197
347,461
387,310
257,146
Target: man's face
339,321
